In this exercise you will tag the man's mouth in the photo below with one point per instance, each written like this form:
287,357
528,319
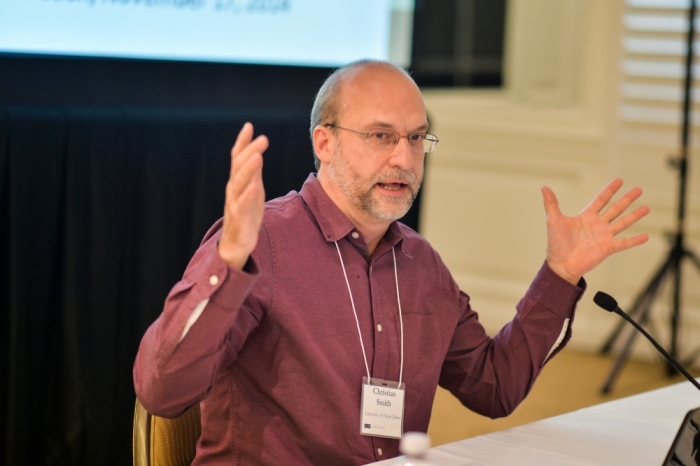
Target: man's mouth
392,186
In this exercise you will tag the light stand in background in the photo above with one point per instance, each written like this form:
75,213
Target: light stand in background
671,267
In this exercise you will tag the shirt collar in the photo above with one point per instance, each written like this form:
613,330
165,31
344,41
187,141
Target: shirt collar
332,221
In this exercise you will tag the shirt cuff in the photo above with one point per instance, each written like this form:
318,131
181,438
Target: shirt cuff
554,293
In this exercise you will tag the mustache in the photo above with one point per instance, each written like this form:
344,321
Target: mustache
397,174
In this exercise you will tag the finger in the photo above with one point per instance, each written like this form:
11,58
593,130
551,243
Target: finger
617,208
245,135
245,146
623,244
551,204
603,197
245,213
250,197
629,220
246,174
239,176
245,139
258,145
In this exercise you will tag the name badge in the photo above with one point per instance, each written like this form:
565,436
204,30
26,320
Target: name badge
382,408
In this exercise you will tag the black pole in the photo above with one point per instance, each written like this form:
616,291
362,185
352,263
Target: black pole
682,166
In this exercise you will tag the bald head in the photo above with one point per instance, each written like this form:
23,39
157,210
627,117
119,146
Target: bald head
330,102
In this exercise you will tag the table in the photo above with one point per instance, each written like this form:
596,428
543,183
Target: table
637,430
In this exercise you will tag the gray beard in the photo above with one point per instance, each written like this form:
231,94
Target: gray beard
347,180
399,207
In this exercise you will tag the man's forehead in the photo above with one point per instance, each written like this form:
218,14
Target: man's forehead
382,90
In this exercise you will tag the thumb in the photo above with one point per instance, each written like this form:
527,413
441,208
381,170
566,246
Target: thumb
551,204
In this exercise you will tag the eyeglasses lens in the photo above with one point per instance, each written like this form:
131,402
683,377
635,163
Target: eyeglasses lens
385,138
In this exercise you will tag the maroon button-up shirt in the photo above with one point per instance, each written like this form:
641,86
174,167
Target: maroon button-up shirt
274,358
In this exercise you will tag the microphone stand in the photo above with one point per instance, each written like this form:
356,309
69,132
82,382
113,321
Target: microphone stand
671,266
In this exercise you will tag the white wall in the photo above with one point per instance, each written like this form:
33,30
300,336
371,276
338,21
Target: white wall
555,123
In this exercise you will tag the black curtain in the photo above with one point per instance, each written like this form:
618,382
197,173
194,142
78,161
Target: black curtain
100,210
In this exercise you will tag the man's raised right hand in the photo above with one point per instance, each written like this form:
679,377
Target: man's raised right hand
245,199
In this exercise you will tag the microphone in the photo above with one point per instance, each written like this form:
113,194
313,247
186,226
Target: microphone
608,303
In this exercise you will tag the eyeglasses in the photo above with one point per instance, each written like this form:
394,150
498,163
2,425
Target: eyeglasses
385,138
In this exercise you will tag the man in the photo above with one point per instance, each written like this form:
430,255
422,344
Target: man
314,329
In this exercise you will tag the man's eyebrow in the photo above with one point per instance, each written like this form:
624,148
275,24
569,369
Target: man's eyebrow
383,125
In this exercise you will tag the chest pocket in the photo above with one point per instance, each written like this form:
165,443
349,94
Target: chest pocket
423,355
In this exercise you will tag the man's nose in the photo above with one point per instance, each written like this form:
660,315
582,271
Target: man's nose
401,154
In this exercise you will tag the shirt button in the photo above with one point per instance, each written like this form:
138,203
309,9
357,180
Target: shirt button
355,234
213,280
379,450
379,327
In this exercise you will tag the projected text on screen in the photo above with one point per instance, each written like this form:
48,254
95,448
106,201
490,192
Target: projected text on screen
287,32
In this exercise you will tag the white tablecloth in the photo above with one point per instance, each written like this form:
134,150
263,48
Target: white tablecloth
637,430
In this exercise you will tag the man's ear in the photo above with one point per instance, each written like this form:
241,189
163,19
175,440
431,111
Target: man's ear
324,142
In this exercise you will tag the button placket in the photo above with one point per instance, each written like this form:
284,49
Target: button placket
382,352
